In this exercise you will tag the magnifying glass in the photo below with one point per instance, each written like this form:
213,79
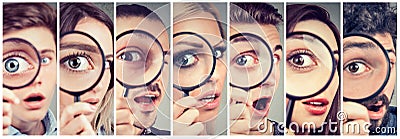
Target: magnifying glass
251,63
140,60
82,63
21,63
366,67
310,68
193,61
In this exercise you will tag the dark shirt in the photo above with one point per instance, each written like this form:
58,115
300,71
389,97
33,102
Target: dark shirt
155,132
389,127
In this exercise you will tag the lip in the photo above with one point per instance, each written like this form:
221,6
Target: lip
316,109
92,101
147,107
34,104
209,105
376,115
264,111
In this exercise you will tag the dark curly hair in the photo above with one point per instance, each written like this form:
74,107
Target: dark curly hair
370,18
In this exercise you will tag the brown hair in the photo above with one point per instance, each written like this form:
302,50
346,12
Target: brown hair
19,16
71,14
262,13
303,12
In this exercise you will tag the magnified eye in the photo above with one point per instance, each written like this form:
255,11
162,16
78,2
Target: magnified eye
301,60
78,63
357,68
186,60
219,52
131,56
247,59
15,65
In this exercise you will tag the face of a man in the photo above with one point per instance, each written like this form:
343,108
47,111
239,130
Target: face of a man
378,106
143,101
36,97
258,99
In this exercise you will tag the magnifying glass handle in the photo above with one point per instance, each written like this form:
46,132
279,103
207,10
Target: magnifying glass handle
125,94
185,93
289,112
77,98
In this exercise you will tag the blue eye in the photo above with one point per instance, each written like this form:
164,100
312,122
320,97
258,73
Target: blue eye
131,56
15,65
186,60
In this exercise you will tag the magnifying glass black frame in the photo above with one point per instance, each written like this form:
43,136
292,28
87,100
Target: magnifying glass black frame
186,90
292,98
387,61
271,57
77,94
39,63
128,86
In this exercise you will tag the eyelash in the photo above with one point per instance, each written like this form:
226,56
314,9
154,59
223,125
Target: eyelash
75,54
300,52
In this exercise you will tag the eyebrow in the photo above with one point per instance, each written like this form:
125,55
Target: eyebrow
361,45
391,51
197,45
47,51
244,39
79,46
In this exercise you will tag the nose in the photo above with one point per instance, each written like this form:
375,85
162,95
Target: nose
98,87
216,76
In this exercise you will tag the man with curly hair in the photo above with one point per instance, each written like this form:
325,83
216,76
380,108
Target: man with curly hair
377,20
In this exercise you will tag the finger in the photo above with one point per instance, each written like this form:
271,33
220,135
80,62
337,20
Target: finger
355,111
188,117
87,132
74,109
124,116
7,109
196,128
240,127
75,126
6,121
182,104
239,111
10,97
5,131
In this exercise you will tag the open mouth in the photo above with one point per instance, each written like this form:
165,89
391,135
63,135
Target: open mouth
316,106
261,104
209,98
146,99
34,98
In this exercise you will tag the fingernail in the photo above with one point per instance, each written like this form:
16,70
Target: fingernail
92,107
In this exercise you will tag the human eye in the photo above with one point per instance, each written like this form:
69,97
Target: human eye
301,60
16,65
131,56
357,67
219,51
78,62
186,59
246,59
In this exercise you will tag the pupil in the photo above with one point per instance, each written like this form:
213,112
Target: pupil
127,57
74,62
353,67
12,65
242,60
184,60
298,60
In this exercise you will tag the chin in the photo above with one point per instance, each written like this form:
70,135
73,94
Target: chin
31,115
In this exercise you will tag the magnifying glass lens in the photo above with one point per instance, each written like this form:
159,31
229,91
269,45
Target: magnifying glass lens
81,63
365,67
309,65
140,60
21,63
251,60
192,60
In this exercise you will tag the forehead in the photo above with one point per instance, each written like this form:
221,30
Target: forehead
98,31
320,29
201,23
386,40
154,27
42,40
267,31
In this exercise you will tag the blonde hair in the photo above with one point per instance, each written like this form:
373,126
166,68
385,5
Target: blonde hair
103,120
183,11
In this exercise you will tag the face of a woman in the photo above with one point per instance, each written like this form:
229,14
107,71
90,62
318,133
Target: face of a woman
209,95
143,103
315,109
35,98
102,35
257,99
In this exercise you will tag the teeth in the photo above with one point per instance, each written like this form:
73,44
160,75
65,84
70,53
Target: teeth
210,96
316,103
207,100
150,95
